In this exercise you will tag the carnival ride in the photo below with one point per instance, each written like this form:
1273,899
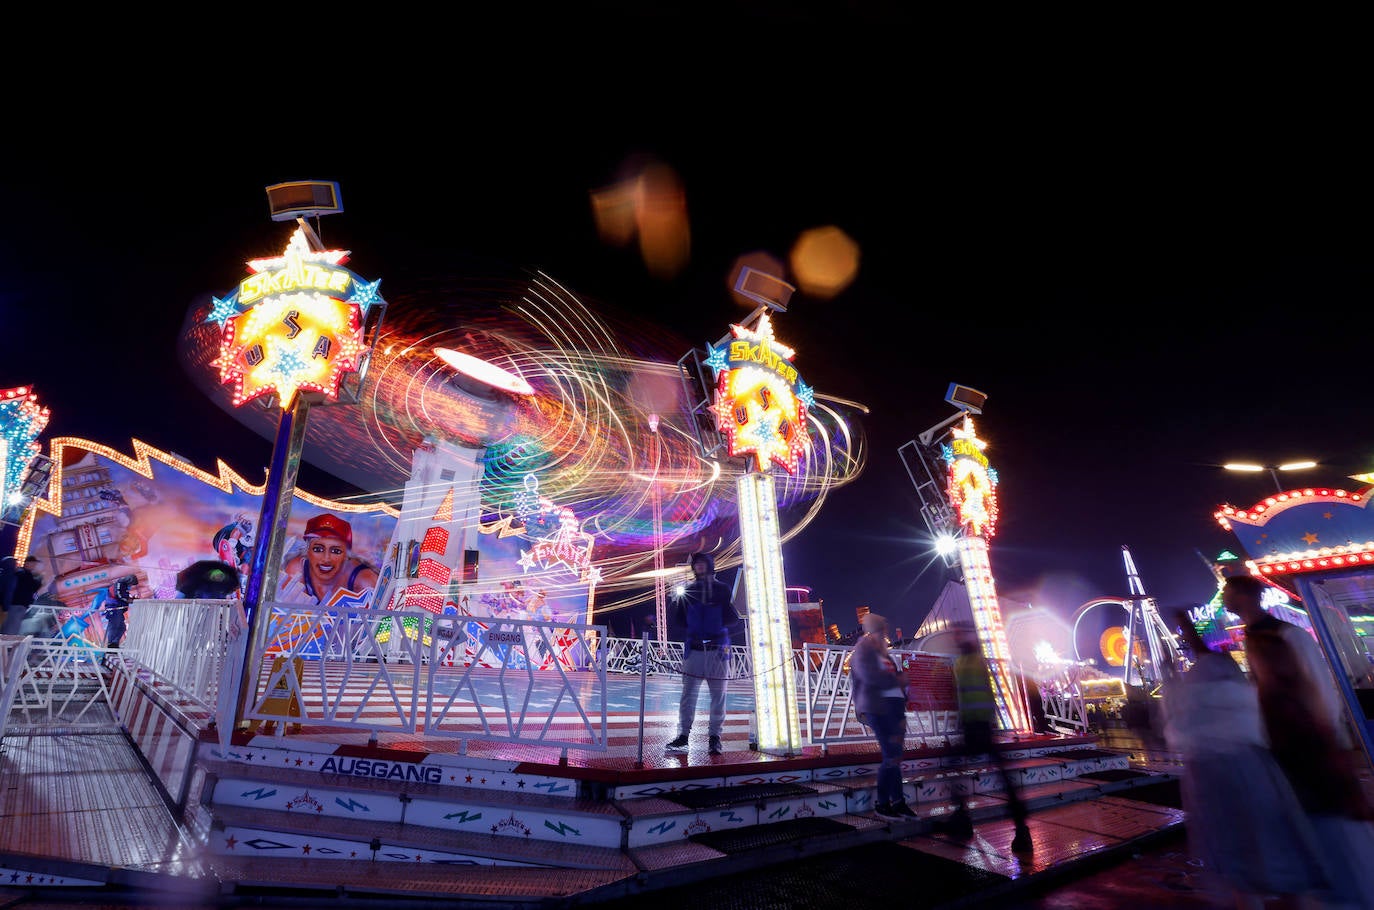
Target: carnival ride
606,432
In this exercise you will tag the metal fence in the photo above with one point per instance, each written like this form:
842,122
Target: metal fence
412,672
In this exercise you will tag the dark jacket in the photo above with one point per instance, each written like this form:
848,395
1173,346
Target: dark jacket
704,612
26,585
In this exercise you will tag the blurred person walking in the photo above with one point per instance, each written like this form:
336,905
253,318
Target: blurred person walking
879,694
977,713
1243,819
1304,720
18,588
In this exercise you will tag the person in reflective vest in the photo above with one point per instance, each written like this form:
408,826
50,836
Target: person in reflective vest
977,718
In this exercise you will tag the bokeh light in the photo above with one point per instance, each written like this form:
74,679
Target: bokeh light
825,261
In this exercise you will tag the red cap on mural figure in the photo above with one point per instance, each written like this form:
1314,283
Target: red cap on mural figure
329,526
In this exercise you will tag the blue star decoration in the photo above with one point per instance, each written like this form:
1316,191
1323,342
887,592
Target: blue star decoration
806,395
289,363
223,309
715,358
365,294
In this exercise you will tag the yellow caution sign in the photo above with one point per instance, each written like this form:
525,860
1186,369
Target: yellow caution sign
281,697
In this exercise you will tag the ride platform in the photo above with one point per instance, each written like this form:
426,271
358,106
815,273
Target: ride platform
145,802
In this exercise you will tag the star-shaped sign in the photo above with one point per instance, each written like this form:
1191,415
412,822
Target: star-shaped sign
295,324
761,403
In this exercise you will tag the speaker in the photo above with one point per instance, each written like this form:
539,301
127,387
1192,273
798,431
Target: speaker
763,288
303,199
961,396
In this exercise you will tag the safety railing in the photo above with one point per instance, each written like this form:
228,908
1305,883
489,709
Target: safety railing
411,672
829,715
51,683
185,643
1064,705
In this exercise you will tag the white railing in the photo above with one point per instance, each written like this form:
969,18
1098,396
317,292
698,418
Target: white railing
431,678
828,712
50,683
1065,707
185,643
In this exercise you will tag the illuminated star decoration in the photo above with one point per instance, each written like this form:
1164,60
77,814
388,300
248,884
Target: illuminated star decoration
758,408
295,323
715,359
365,294
222,309
21,421
972,482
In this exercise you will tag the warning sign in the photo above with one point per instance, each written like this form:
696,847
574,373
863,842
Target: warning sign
281,698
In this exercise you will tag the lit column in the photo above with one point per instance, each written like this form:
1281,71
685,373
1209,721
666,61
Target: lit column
987,619
972,491
770,634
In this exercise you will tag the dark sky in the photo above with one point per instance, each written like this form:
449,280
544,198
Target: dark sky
1145,284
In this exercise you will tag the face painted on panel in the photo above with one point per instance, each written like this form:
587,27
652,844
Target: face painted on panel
326,556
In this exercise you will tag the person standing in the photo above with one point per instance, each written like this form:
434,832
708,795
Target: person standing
705,613
19,589
114,606
1244,821
977,712
1304,719
879,693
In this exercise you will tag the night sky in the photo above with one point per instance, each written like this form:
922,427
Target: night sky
1143,291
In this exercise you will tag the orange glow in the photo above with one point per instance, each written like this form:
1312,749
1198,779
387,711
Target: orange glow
651,205
824,261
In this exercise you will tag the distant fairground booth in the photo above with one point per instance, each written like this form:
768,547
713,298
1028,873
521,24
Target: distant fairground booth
1315,548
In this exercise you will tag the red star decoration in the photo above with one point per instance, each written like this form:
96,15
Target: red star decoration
305,848
231,842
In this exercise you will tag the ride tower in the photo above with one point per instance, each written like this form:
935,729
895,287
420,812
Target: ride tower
957,487
298,331
758,411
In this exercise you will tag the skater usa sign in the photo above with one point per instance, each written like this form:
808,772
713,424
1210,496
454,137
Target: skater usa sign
295,324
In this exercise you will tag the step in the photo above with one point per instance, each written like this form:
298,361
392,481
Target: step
674,817
273,877
258,832
443,807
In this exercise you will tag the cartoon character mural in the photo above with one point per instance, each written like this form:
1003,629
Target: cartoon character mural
108,515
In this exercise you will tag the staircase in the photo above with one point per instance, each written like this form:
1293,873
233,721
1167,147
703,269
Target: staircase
283,817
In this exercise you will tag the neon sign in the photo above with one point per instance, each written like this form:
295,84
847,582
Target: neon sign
972,481
761,402
22,419
295,324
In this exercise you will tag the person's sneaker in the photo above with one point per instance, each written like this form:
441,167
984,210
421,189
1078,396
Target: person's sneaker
677,745
885,810
715,747
904,810
1022,842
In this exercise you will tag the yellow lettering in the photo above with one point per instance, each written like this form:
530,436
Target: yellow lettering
311,276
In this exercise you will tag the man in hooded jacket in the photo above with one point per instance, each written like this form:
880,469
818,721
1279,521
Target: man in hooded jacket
705,613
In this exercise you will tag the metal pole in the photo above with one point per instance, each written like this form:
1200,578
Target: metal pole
1274,474
643,682
276,509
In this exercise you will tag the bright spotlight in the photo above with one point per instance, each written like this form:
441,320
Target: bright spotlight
946,544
